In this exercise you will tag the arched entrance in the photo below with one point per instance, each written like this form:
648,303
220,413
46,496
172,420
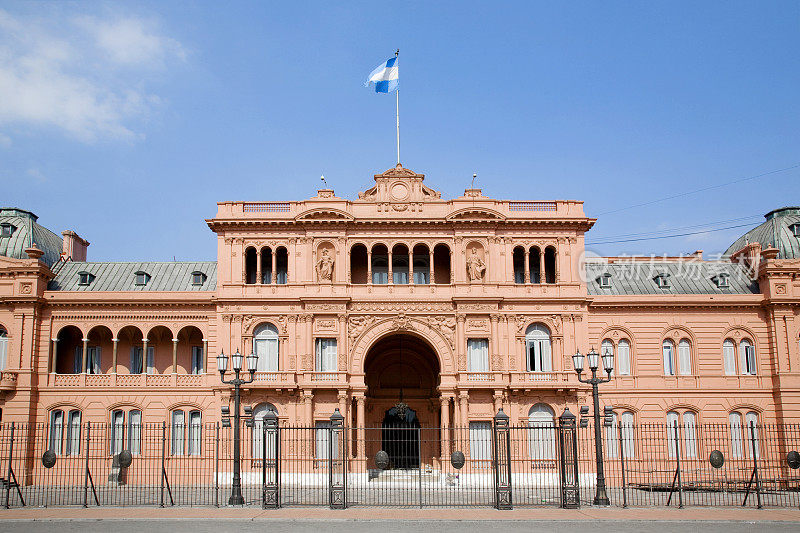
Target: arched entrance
402,378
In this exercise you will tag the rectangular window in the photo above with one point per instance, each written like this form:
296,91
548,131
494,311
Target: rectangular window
669,358
195,430
749,360
178,425
151,359
624,357
117,431
93,363
326,355
480,440
729,358
197,359
421,271
74,433
267,351
78,361
322,430
3,350
478,355
539,356
135,432
136,360
56,430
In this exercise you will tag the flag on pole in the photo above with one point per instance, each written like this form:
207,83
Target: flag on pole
386,76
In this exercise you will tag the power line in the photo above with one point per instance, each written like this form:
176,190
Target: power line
679,228
671,236
709,188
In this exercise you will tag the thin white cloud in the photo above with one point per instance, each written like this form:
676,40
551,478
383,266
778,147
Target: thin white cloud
36,175
85,78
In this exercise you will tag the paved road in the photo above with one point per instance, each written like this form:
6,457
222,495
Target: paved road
156,525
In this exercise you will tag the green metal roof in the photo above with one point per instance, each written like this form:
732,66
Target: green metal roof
114,276
684,277
774,232
28,231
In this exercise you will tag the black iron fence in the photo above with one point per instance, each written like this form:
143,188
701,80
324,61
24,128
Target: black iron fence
490,464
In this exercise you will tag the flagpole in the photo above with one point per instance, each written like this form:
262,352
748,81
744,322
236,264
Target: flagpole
397,114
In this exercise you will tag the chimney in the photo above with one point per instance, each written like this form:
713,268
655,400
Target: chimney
74,247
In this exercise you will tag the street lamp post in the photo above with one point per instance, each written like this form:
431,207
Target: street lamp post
600,498
222,365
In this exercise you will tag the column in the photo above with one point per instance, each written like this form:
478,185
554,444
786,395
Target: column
144,356
430,266
498,400
205,355
342,397
309,342
460,343
259,268
452,269
84,362
542,274
342,346
445,426
463,396
369,267
53,359
114,350
527,254
495,344
391,278
308,408
360,422
411,266
174,356
273,277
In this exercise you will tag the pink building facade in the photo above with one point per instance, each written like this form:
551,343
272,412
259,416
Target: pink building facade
457,307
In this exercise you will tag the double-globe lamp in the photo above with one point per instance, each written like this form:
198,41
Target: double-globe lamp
593,358
222,365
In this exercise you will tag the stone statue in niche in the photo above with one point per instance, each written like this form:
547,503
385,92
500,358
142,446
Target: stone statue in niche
476,267
325,266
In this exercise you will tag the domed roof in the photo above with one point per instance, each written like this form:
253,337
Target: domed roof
781,230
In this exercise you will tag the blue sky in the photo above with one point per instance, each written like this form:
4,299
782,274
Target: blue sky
127,121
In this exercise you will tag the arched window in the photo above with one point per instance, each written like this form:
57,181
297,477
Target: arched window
751,432
117,431
729,358
195,432
281,266
73,444
673,421
422,265
541,432
178,431
4,348
441,264
612,442
265,346
400,264
685,357
259,412
358,264
747,357
380,265
668,351
56,430
735,426
135,431
250,266
623,362
628,434
537,348
550,264
686,432
535,265
266,265
607,346
519,265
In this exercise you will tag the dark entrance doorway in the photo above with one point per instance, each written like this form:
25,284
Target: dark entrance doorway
400,436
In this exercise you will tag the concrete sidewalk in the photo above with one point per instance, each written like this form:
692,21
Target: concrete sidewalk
717,514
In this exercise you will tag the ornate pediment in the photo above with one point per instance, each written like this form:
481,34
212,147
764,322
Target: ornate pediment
399,185
324,214
476,213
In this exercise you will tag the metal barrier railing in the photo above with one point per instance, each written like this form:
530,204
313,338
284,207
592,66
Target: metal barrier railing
488,464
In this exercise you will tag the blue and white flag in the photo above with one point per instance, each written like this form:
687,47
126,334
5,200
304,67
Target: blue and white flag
386,77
